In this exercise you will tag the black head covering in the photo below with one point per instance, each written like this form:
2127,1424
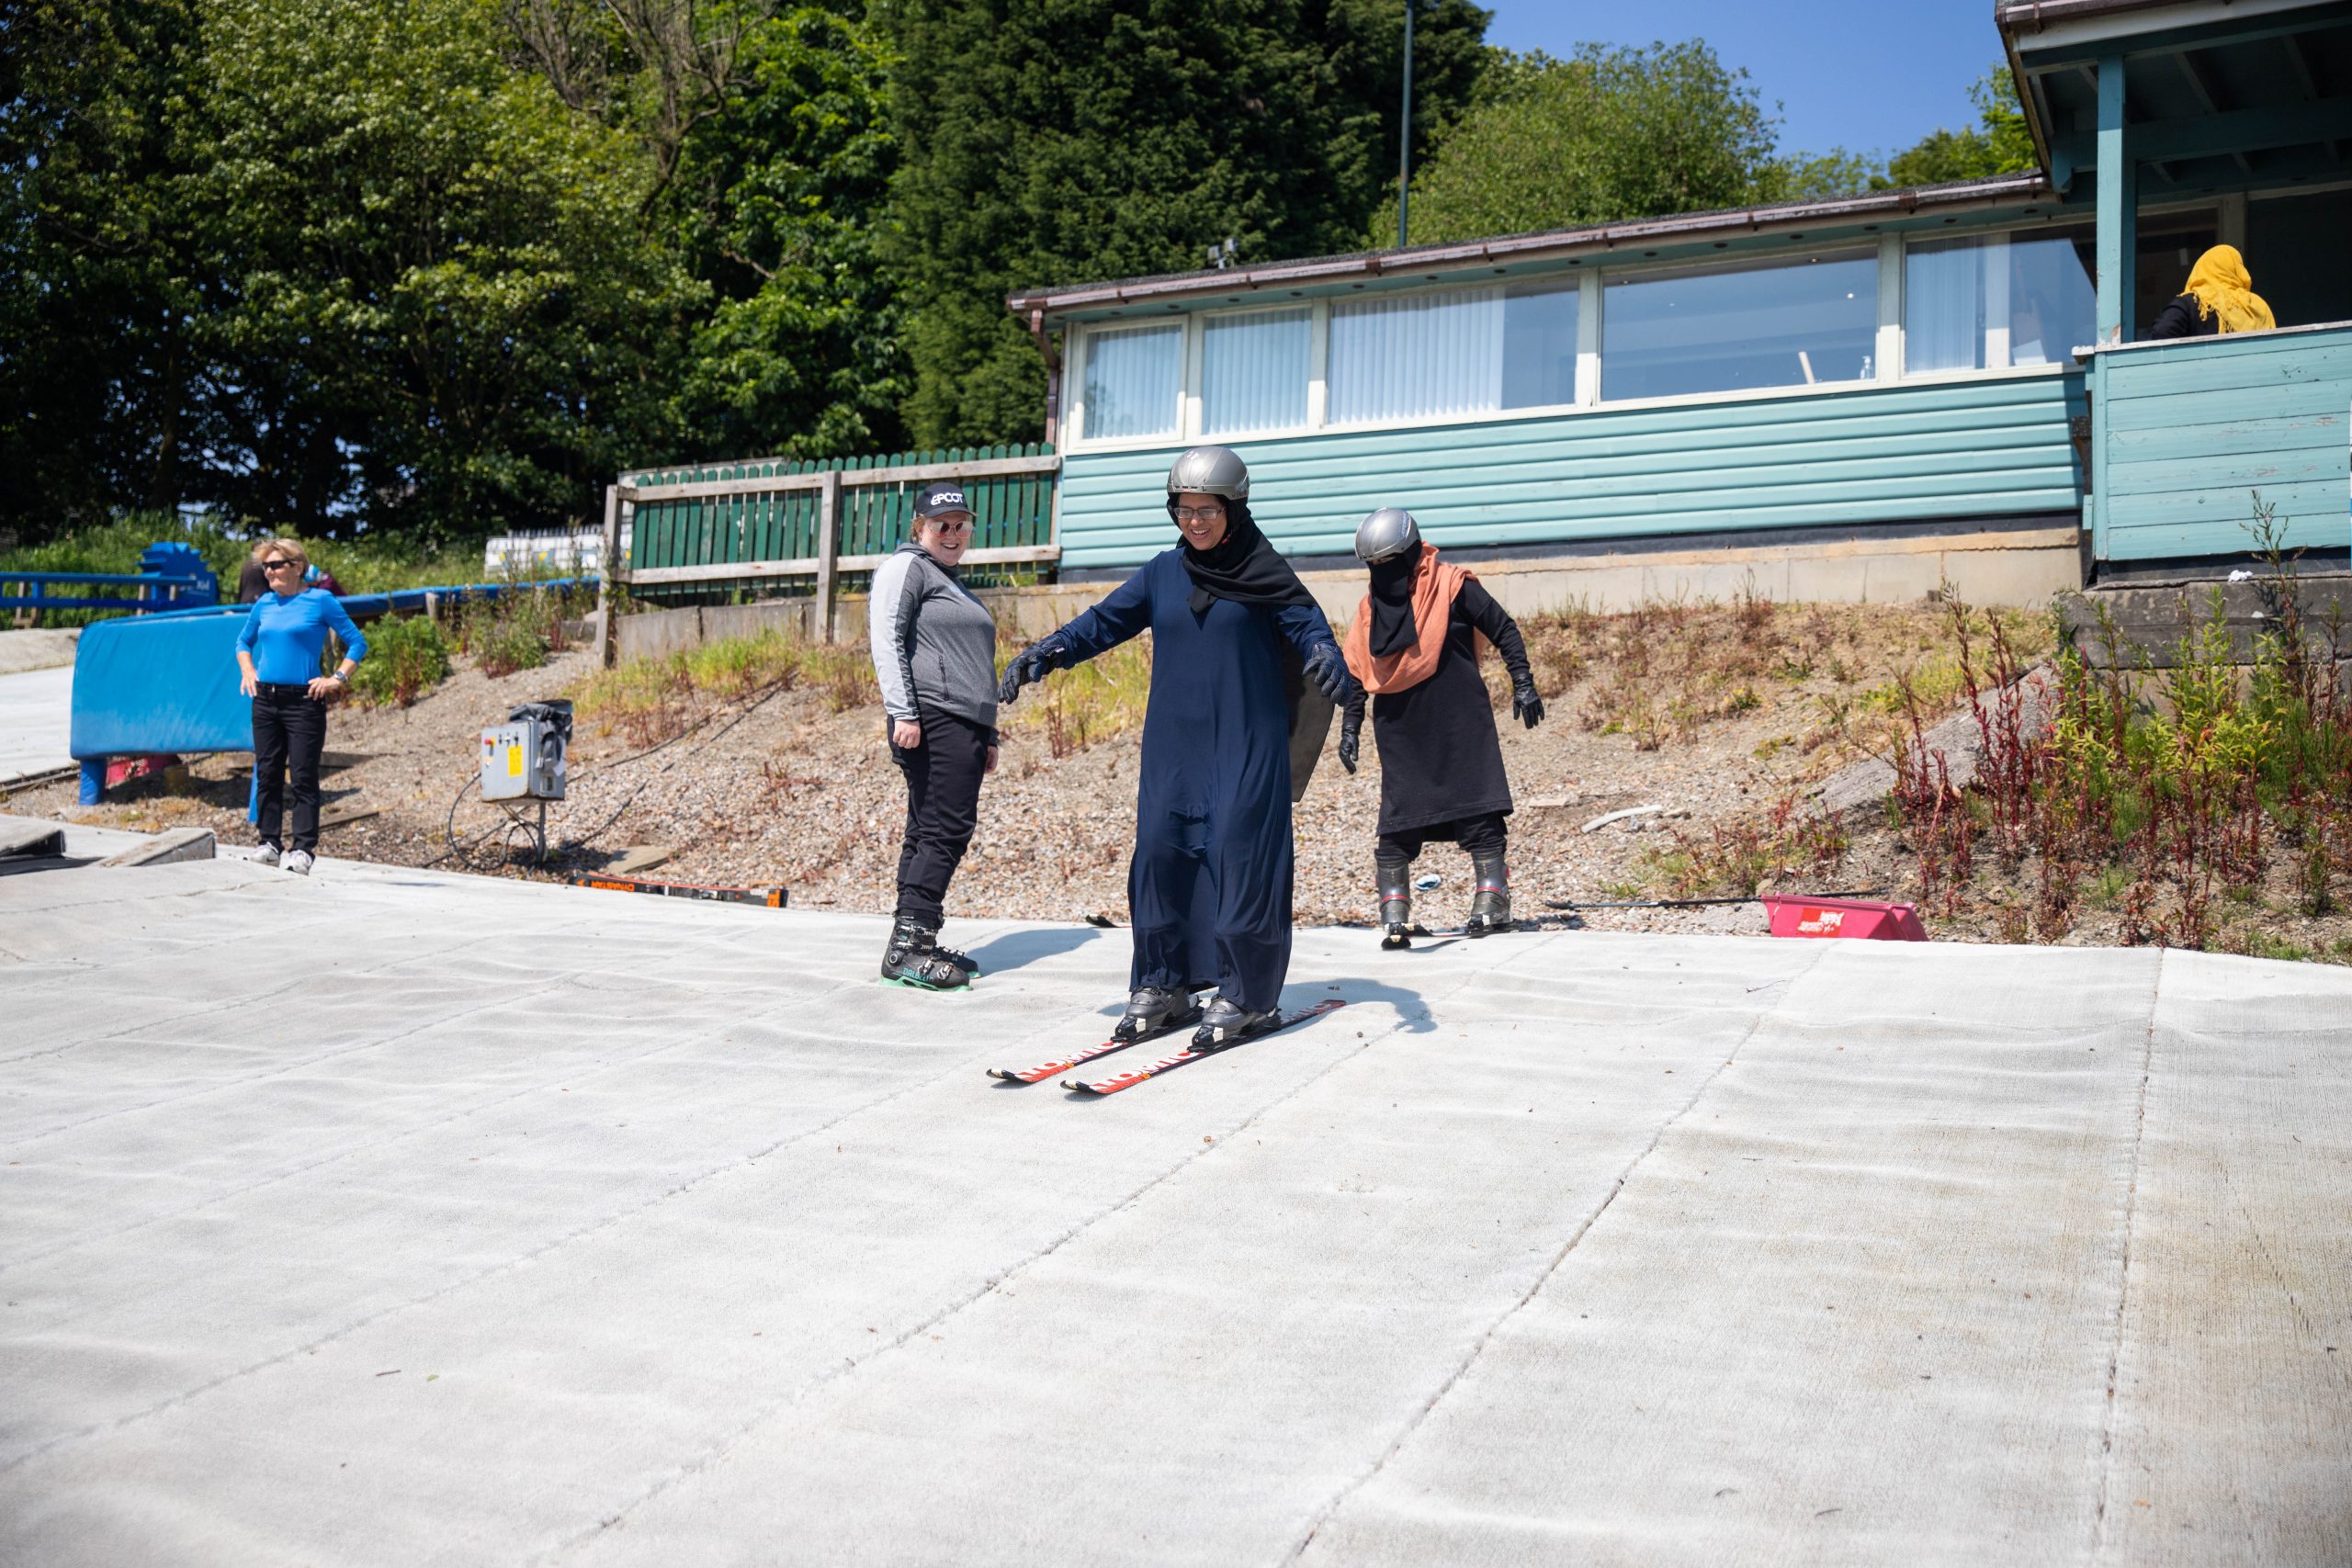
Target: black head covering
1393,630
1242,567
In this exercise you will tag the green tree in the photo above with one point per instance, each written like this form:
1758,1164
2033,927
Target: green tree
1610,133
435,311
1999,143
1063,140
98,279
779,202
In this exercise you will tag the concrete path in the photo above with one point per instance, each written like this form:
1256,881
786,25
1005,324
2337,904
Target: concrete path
35,722
394,1217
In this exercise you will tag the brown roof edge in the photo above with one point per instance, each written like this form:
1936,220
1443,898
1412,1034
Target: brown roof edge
2035,15
1175,287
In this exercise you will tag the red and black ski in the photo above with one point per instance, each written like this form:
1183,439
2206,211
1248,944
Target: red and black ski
1194,1053
1045,1070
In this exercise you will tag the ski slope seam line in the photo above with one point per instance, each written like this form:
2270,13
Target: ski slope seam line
2123,1264
1544,1277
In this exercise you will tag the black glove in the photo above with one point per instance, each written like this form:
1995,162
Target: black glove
1030,666
1525,705
1328,670
1352,735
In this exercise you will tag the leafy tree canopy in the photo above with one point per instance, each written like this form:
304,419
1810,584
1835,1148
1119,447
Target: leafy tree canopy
1607,134
1060,141
1998,143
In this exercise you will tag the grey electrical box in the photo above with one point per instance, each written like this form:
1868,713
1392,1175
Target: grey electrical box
523,758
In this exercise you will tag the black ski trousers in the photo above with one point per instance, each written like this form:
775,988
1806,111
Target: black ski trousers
1482,835
289,732
942,807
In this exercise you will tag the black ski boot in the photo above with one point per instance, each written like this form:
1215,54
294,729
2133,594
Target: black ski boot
1153,1009
1227,1022
1395,902
1490,905
962,961
914,959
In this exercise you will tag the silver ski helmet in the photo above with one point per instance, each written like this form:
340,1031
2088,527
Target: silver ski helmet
1209,470
1385,535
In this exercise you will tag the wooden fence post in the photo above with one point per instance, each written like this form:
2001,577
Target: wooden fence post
828,521
607,602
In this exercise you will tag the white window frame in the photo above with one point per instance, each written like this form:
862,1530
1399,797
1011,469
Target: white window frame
1074,383
1319,319
1591,281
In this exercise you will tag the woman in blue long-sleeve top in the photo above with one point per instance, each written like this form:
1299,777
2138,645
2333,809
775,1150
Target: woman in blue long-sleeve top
278,655
1209,888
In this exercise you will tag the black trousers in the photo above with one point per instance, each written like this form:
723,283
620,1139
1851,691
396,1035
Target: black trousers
290,731
942,807
1485,835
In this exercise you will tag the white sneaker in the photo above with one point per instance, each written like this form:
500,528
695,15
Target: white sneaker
299,863
266,856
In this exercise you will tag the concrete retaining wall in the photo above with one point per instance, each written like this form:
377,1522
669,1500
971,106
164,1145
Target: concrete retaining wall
2022,565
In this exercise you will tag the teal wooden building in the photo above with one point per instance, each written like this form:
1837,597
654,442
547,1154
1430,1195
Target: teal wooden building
1860,371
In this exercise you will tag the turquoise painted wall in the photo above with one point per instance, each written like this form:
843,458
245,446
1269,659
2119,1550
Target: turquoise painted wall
2185,433
1876,454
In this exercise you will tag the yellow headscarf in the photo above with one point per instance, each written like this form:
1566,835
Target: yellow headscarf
2224,289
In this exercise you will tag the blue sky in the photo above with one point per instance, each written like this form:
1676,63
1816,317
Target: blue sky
1869,75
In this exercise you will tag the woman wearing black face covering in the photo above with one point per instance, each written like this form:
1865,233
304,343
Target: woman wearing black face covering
1414,647
1209,888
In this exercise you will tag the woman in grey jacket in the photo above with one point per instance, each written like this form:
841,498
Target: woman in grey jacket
934,654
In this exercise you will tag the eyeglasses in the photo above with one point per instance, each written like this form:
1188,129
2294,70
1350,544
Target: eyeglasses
946,523
276,565
1198,514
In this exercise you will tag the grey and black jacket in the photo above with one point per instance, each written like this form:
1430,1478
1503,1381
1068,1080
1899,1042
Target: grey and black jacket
934,644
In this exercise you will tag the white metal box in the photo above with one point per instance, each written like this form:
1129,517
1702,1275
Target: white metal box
522,760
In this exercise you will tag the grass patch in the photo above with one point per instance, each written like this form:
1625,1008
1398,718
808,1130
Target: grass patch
1074,708
648,701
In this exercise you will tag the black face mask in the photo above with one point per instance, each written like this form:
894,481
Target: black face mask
1242,567
1393,629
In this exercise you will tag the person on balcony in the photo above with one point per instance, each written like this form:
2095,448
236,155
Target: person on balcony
934,656
2220,298
1210,884
1413,646
278,654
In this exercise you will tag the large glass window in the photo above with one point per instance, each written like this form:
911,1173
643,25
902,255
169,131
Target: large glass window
1791,325
1944,306
1963,299
1253,371
2053,301
1540,344
1132,377
1415,355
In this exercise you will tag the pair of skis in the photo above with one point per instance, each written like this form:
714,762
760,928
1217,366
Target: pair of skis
1135,1076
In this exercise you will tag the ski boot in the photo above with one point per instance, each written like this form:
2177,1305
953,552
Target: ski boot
1395,878
913,959
962,961
1227,1022
1153,1009
1490,905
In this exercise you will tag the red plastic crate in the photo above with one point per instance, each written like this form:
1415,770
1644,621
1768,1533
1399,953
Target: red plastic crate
1861,918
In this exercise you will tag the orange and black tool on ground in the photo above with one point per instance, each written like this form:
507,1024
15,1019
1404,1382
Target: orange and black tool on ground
772,897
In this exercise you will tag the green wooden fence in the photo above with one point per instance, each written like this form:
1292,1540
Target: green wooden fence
739,514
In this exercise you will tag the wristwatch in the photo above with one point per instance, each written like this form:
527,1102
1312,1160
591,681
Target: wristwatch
339,675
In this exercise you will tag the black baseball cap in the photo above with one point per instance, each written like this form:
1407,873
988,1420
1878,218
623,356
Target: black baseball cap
941,495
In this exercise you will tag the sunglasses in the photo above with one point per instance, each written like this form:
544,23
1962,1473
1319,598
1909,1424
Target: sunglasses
282,565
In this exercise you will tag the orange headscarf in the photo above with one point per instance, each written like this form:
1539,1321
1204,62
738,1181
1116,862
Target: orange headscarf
2224,289
1434,587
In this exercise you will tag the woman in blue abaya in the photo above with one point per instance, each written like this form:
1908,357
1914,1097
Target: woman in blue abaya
1209,889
